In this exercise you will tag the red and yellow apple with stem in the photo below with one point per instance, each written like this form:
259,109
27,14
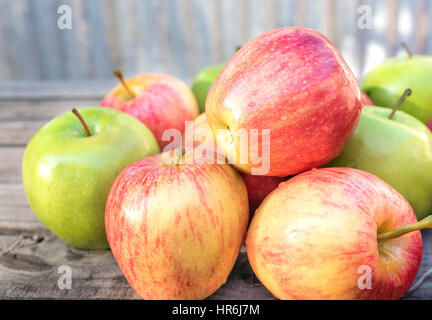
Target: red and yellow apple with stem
159,101
176,229
320,234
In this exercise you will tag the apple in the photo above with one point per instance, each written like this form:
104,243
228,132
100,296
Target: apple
386,83
258,187
159,101
335,233
70,164
430,124
366,100
203,81
176,229
293,88
398,150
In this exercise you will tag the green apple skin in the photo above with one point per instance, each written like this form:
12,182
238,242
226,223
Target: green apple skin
387,82
399,151
67,175
203,81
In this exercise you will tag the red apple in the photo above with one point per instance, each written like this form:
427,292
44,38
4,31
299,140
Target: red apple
258,187
335,233
366,100
159,101
430,124
293,82
176,230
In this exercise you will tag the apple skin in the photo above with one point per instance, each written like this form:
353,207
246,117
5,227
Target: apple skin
366,100
386,83
430,124
309,237
203,81
176,231
399,151
258,187
162,102
294,82
67,175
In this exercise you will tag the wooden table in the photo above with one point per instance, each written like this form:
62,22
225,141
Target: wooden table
30,256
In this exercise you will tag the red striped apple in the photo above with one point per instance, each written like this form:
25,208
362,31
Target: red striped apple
335,233
294,83
159,101
258,187
176,229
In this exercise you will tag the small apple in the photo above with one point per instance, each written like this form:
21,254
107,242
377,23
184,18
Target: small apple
258,187
176,229
293,88
335,233
430,124
386,83
70,164
203,81
159,101
397,148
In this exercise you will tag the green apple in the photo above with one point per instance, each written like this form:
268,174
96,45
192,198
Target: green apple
70,164
203,81
398,150
386,83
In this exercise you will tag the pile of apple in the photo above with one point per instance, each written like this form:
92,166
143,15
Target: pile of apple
176,220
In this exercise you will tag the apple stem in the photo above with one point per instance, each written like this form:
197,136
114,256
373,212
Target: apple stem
405,95
400,231
237,48
408,51
86,128
179,153
119,75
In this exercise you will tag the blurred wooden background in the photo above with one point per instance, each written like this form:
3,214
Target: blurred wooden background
181,36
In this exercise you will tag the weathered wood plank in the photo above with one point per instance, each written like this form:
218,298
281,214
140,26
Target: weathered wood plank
10,164
16,110
18,133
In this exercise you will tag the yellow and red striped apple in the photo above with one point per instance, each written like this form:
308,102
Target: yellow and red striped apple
176,230
293,82
159,101
321,234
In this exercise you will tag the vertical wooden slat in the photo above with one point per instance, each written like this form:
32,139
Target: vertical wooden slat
421,25
392,34
301,14
288,12
376,46
360,38
110,28
45,23
69,47
99,54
